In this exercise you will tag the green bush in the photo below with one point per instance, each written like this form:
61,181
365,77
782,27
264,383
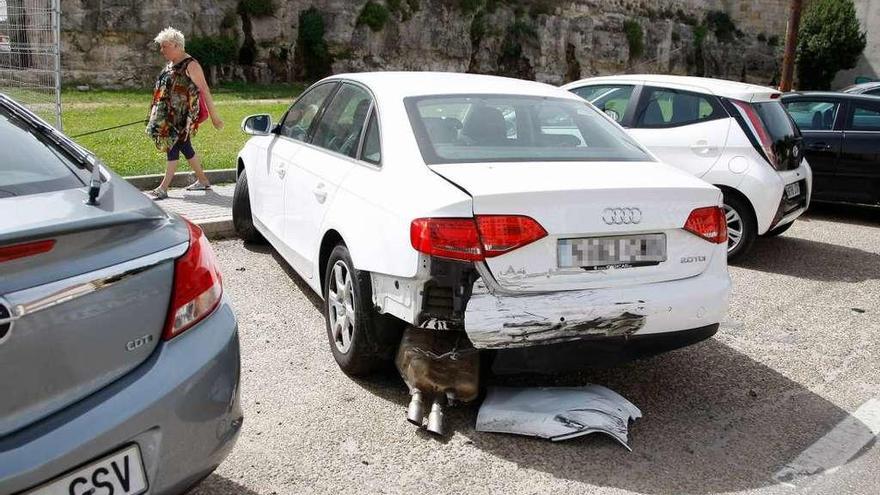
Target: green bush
212,51
469,6
413,5
374,15
311,46
256,8
722,25
773,40
829,41
634,37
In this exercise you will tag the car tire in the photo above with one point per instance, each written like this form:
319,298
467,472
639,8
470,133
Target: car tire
742,228
778,230
367,342
242,220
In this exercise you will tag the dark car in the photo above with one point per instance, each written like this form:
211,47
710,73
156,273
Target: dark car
869,88
119,354
842,138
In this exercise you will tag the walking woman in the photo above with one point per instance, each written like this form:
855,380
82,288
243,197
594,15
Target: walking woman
181,101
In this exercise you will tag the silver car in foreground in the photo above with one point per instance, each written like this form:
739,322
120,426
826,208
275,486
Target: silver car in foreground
119,354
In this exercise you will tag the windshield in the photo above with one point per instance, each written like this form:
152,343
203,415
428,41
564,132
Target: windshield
30,165
513,128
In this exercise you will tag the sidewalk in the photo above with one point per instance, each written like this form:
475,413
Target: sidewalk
211,210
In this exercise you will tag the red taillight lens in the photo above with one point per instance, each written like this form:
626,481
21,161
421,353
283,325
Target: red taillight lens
760,131
16,251
708,223
502,233
197,285
473,239
454,238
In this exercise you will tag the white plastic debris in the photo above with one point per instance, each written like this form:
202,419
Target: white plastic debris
557,413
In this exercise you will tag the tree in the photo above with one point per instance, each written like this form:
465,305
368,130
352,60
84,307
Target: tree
829,41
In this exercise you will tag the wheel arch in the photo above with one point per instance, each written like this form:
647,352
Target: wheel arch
330,240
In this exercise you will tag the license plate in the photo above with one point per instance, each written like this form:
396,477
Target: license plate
594,253
793,190
121,473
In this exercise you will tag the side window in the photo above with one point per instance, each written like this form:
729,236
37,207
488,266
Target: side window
873,92
865,117
613,99
372,151
662,107
813,115
301,114
341,125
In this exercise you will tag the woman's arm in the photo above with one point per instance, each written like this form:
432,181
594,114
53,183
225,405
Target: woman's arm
195,72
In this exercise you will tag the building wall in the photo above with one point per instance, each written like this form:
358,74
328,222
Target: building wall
869,62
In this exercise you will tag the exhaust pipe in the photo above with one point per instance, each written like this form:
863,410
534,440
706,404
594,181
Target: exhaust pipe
438,366
416,411
435,418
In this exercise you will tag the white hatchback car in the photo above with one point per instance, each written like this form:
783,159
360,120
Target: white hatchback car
734,135
511,210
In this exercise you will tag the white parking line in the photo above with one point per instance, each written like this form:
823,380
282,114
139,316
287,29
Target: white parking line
835,448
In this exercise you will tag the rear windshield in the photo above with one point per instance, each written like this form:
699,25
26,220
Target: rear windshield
776,121
514,128
29,164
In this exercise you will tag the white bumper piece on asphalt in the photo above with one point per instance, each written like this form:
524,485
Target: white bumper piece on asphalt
557,413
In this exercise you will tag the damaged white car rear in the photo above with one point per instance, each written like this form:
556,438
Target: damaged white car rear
480,215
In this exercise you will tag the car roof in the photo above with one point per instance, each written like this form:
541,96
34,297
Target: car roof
830,94
405,84
720,87
862,86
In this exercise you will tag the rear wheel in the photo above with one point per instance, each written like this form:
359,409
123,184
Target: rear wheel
741,226
361,340
242,220
779,230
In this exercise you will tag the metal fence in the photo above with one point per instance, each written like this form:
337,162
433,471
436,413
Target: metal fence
30,55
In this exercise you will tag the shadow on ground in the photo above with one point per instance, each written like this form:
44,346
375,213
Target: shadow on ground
218,485
813,260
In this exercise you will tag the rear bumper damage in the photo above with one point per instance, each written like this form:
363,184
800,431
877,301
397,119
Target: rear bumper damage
495,319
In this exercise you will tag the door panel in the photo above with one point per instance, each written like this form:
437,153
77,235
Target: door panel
318,169
858,172
822,142
684,129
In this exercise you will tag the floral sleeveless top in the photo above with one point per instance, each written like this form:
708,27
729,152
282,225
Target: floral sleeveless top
175,107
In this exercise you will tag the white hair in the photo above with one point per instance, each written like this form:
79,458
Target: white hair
172,35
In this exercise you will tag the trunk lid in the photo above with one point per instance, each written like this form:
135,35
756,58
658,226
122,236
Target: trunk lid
571,201
90,309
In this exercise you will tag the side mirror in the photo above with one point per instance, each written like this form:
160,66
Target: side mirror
257,125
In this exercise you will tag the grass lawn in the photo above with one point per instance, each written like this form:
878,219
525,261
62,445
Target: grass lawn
129,151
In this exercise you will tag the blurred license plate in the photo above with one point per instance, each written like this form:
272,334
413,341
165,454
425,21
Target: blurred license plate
793,190
596,253
121,473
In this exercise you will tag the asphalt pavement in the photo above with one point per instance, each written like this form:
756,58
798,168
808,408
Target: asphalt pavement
781,400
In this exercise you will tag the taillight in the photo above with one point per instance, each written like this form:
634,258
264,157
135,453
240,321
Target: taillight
502,233
709,223
16,251
758,129
473,239
197,285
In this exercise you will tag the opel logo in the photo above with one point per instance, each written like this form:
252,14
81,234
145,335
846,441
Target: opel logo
5,320
621,216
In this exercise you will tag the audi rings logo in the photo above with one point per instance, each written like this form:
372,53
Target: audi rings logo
621,216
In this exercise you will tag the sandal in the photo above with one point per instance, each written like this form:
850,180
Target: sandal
198,186
159,194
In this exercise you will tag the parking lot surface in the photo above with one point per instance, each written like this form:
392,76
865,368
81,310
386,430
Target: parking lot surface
777,402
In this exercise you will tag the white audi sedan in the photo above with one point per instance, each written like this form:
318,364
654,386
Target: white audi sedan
511,211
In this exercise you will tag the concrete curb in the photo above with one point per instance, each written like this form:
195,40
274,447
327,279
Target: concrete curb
217,228
181,179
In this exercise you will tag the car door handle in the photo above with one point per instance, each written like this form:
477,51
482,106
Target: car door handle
320,193
818,147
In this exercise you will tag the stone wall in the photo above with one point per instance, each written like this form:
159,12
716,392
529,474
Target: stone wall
107,42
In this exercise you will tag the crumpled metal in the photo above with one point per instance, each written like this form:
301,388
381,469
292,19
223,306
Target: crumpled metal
557,413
